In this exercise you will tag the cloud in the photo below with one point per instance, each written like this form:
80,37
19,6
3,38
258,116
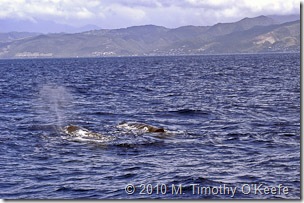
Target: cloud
67,9
124,13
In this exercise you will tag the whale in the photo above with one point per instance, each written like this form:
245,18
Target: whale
141,126
80,132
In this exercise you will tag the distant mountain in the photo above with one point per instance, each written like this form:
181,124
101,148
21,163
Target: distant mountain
12,36
284,19
244,24
40,26
249,35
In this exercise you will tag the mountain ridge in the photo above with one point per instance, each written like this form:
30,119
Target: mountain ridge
249,35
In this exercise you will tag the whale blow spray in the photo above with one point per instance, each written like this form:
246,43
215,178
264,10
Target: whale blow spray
55,103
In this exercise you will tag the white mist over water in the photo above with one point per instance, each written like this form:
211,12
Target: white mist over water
54,102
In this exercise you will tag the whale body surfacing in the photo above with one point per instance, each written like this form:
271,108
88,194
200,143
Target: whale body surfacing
140,126
79,132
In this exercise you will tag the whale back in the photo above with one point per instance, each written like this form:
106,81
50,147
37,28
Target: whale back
142,126
71,128
77,131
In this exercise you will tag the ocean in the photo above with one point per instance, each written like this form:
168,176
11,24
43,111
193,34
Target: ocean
232,127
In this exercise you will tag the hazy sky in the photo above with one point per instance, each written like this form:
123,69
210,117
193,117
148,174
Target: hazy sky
125,13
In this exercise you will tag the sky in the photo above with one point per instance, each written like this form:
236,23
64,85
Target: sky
111,14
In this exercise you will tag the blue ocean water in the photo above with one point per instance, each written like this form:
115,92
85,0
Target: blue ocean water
234,123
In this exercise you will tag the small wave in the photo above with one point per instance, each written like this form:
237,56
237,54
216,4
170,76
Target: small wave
43,127
135,142
102,113
189,112
90,140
